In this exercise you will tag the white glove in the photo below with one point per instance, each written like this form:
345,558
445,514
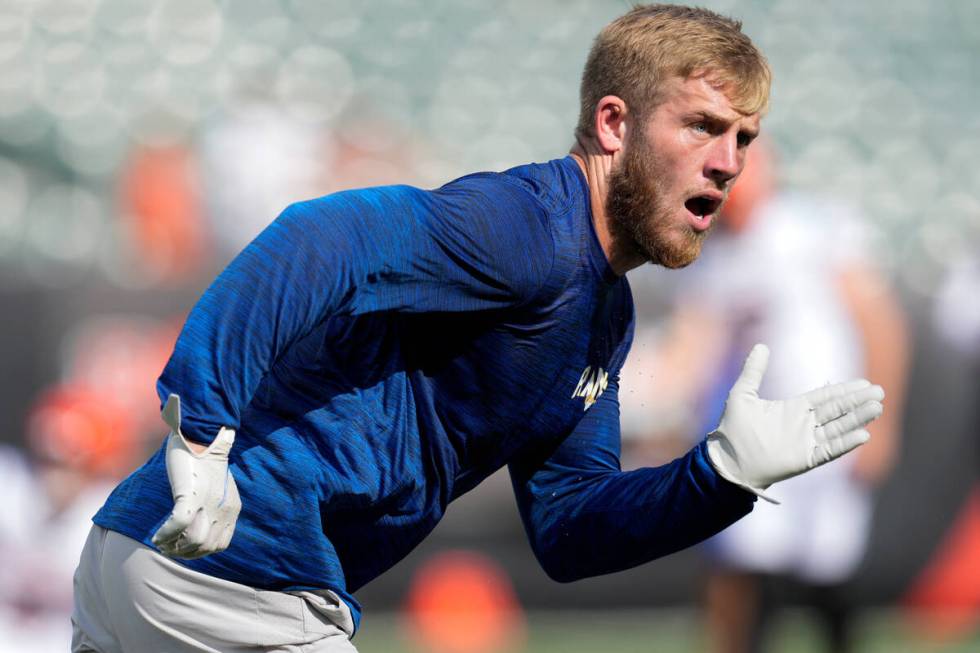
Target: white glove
206,500
759,442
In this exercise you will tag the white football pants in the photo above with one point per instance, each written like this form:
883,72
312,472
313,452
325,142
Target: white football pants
129,597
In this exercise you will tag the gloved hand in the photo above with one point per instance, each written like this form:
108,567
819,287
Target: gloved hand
759,442
206,500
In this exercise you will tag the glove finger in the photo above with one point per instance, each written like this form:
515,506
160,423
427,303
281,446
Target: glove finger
857,418
190,543
183,549
836,407
231,502
197,533
180,547
191,553
180,518
229,510
753,370
213,542
841,445
218,538
821,395
226,534
230,499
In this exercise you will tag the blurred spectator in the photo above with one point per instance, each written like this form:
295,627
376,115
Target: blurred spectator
79,446
255,161
160,212
259,158
790,271
83,435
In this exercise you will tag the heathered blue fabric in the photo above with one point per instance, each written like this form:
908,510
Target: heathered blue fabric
381,351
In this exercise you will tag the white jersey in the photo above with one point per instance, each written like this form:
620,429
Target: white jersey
777,282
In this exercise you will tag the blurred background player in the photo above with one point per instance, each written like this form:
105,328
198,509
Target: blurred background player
83,433
790,270
80,443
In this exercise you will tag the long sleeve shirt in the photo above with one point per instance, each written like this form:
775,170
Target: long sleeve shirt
382,351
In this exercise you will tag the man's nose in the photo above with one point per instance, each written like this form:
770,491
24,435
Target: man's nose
724,160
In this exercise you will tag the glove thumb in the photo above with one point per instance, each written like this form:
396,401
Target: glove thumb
171,413
755,367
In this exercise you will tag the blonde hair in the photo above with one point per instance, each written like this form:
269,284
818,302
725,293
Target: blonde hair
633,55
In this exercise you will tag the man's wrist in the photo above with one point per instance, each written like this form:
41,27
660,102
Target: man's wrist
721,460
195,447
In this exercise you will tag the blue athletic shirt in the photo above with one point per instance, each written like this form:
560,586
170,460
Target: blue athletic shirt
379,352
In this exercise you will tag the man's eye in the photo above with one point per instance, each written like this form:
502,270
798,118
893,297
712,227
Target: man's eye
744,140
700,127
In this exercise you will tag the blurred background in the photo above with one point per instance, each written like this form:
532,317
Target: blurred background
142,144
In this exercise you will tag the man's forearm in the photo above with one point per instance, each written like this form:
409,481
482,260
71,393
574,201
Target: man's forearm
616,520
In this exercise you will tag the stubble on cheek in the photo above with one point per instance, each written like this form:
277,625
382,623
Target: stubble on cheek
639,215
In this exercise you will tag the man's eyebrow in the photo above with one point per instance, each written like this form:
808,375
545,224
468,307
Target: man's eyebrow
708,116
717,119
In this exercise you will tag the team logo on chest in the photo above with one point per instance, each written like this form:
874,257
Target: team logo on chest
591,385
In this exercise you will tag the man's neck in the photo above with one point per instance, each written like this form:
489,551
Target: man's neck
597,165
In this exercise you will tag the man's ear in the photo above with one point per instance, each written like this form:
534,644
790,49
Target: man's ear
610,123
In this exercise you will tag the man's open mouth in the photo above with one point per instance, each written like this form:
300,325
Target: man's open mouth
702,205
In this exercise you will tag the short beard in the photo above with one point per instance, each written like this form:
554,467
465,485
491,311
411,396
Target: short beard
637,214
